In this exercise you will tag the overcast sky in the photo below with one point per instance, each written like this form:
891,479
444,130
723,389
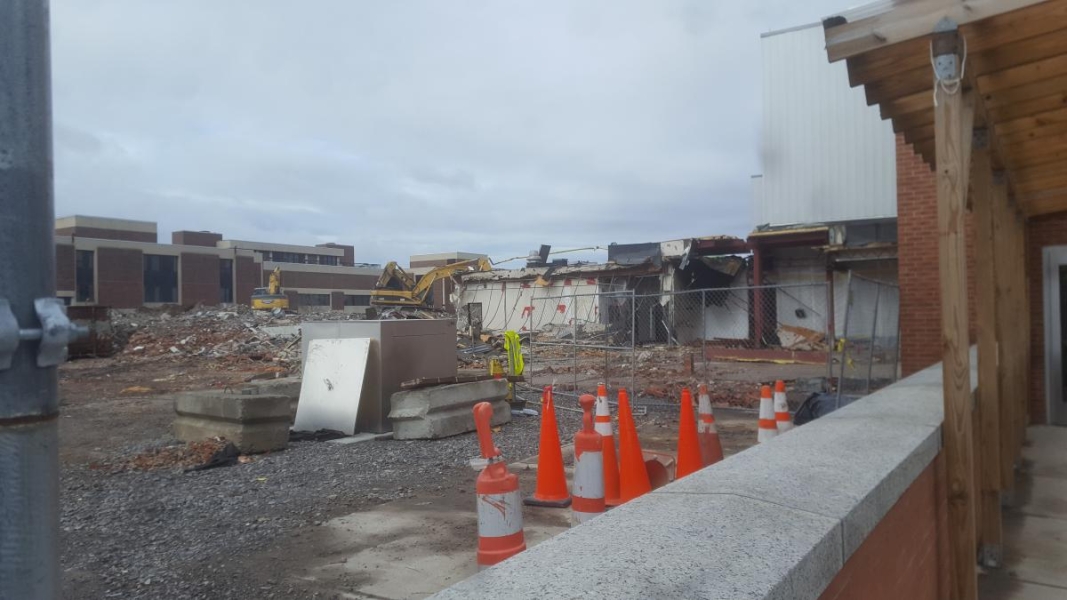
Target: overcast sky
407,127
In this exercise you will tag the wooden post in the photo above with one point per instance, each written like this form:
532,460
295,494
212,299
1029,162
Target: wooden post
987,436
1022,334
757,296
1006,326
952,150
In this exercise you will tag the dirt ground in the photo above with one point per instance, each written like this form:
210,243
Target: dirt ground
376,520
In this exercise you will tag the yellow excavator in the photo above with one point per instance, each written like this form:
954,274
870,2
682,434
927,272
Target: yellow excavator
399,289
271,297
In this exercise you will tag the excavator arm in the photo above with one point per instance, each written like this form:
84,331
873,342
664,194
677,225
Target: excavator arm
396,288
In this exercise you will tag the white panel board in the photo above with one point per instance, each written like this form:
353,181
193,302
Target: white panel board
334,373
826,156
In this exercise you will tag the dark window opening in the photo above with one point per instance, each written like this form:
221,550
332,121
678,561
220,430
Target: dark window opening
160,278
226,280
314,299
357,300
84,276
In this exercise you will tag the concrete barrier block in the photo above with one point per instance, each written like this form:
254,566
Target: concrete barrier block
282,386
253,422
445,410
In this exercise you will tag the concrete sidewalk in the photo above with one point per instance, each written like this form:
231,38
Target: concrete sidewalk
1035,528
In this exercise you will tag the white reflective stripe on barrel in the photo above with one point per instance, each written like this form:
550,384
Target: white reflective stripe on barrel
499,514
581,517
589,475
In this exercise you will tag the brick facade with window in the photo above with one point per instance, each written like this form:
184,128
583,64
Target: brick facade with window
120,277
920,296
200,279
1047,230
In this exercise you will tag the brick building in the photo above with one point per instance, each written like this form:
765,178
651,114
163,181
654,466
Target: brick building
120,263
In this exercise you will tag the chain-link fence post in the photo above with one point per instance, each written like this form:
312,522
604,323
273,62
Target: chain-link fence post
704,332
29,408
874,333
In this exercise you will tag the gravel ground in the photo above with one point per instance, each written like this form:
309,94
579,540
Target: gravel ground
168,534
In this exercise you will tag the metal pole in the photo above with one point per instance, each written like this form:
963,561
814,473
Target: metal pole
704,332
633,344
874,332
844,337
29,409
831,332
574,338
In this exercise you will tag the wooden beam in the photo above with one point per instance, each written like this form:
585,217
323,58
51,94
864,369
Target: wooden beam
1036,106
987,437
1043,204
1006,66
904,21
957,435
1026,93
1037,132
1003,232
1022,334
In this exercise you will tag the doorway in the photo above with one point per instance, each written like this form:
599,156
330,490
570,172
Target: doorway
1055,292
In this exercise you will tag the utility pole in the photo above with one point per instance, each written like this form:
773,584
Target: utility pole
34,330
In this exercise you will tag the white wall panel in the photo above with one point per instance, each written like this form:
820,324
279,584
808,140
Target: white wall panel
826,155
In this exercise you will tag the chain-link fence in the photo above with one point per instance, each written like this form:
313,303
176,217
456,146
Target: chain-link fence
655,341
869,344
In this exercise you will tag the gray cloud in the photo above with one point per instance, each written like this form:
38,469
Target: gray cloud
419,126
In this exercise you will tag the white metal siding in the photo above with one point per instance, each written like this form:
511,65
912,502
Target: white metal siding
826,155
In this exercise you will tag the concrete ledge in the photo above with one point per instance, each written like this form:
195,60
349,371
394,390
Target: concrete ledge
778,520
254,423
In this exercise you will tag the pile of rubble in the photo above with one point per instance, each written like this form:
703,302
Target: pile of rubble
230,333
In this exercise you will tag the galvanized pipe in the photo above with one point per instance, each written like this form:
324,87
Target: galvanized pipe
29,463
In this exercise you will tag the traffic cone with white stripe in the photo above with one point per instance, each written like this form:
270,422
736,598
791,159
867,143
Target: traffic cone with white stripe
587,496
767,426
781,408
710,444
500,534
602,424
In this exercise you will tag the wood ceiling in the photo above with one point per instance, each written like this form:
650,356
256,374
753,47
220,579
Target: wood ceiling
1016,64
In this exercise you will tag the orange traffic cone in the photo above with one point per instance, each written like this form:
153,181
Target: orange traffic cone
710,445
689,460
607,435
781,408
767,426
551,480
500,534
633,476
588,467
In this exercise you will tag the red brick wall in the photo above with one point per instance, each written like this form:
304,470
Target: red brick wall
195,238
247,273
902,557
107,234
119,277
1048,230
917,240
65,276
200,279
